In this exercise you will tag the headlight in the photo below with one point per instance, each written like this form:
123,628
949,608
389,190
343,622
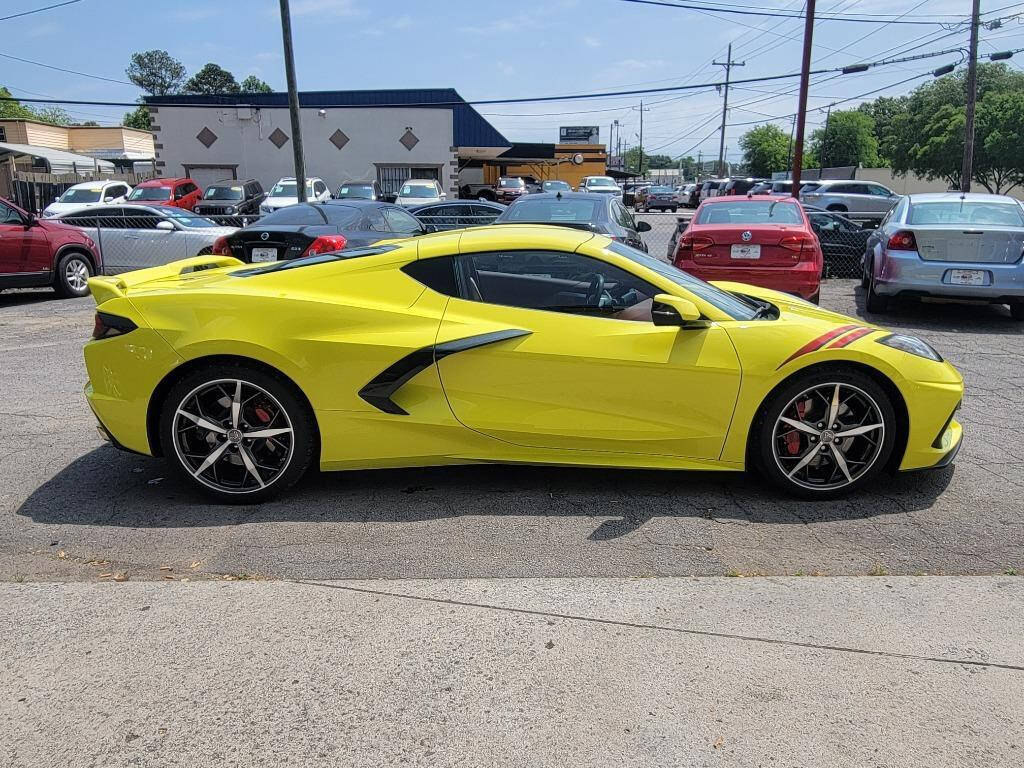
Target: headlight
911,344
229,210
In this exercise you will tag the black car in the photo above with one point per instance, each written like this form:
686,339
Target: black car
656,197
694,199
456,214
739,186
359,190
843,242
307,228
231,198
603,214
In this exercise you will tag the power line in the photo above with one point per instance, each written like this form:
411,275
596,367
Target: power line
39,10
755,11
61,69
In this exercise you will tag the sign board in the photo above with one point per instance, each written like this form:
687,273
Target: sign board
579,134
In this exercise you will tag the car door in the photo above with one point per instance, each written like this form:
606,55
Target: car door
145,244
879,199
105,225
18,244
539,367
402,222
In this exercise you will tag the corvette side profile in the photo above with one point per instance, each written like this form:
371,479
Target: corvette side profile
509,344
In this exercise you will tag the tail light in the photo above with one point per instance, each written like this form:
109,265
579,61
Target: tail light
797,243
221,247
690,244
902,241
107,325
325,244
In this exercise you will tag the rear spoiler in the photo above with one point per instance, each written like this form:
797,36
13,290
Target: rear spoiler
116,286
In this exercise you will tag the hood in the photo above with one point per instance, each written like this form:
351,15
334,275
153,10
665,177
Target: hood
279,202
789,304
56,208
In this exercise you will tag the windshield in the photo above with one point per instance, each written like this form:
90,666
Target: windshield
289,189
733,306
600,181
551,210
511,183
187,219
357,191
556,186
150,193
224,193
419,190
81,195
966,212
660,191
750,212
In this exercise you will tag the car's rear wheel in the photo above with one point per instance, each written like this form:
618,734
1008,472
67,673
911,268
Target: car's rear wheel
865,273
826,434
237,433
72,275
875,302
1017,310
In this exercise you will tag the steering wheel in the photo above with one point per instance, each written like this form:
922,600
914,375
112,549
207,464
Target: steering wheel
596,290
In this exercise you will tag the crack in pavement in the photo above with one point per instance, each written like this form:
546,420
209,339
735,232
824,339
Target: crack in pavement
666,628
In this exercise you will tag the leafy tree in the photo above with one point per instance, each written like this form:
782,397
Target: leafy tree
253,84
212,79
928,138
89,124
885,111
156,72
138,118
54,115
847,138
765,149
14,110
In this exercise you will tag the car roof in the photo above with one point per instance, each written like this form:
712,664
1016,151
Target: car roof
232,182
564,196
170,182
738,198
354,202
357,181
974,197
96,183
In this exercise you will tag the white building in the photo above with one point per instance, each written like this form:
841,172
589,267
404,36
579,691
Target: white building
388,135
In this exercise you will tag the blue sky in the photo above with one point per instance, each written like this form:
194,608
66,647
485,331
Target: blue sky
489,49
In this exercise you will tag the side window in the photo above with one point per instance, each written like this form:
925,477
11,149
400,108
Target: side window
319,188
437,274
878,190
140,220
402,222
377,222
555,281
8,215
105,218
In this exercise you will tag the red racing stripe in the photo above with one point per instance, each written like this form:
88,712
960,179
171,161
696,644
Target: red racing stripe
815,344
849,338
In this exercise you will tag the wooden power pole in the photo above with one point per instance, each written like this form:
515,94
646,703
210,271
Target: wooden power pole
801,112
728,64
972,96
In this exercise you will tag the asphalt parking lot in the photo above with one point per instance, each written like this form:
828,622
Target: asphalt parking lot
73,508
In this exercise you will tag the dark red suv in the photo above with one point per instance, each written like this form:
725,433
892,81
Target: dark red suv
43,252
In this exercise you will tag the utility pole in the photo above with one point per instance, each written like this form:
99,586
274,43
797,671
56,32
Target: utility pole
293,101
789,149
640,165
972,96
700,165
824,141
805,78
728,64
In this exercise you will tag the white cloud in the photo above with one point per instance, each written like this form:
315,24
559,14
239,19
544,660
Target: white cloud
591,41
402,22
506,68
500,26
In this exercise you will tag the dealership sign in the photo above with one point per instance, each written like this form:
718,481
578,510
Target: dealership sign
579,134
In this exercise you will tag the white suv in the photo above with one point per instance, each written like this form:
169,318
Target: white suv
604,185
286,193
87,195
848,196
420,191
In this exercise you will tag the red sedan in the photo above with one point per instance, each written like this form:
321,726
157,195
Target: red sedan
179,193
762,240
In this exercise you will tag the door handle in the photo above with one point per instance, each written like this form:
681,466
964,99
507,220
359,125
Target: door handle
131,237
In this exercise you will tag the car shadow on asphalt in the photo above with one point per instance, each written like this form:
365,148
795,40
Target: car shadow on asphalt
942,316
19,297
106,487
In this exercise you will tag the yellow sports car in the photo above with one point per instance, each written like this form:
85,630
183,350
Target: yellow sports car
511,343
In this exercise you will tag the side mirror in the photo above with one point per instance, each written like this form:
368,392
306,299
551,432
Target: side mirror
107,199
165,226
31,221
56,199
677,311
643,226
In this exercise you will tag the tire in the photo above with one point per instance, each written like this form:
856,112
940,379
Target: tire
243,470
865,275
1017,310
207,251
71,276
675,208
782,452
816,298
874,301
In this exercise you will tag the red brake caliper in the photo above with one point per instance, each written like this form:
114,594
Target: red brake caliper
793,437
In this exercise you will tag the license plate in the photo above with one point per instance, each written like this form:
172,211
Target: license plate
746,252
264,254
967,276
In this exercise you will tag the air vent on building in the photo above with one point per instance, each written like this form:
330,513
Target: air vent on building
278,137
338,139
409,139
206,137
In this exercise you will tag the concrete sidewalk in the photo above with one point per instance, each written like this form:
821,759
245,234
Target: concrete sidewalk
831,672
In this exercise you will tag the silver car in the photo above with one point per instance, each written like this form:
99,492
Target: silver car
848,196
138,236
948,245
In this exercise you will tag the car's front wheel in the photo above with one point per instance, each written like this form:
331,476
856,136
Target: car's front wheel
237,433
825,434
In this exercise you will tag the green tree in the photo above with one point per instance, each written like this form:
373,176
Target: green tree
54,115
156,72
212,79
253,84
885,111
138,118
847,138
928,139
765,149
14,110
